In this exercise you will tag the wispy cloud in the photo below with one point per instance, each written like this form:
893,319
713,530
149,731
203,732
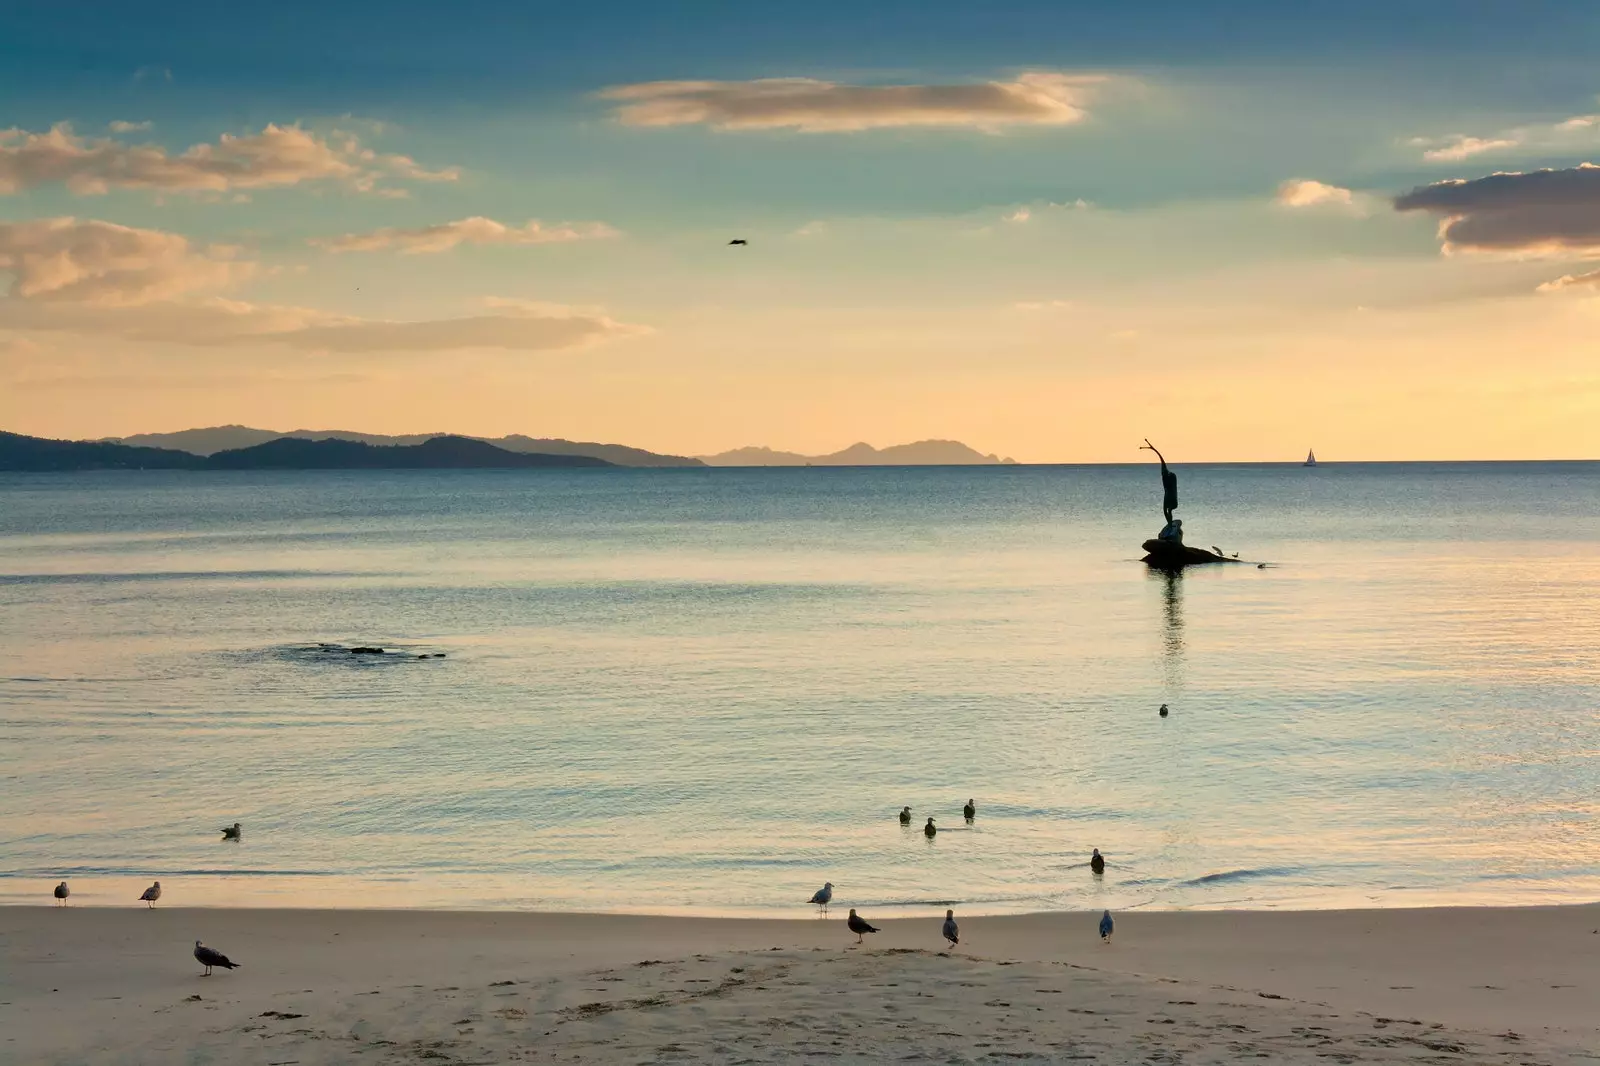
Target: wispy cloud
1576,132
1533,213
96,277
476,230
277,156
807,105
91,262
120,126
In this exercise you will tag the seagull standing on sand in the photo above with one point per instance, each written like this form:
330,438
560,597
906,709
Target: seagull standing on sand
209,958
232,832
152,894
823,896
905,815
969,812
1097,862
1106,926
859,926
62,892
951,932
929,829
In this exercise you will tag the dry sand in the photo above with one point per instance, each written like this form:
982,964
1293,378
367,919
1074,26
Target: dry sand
1509,986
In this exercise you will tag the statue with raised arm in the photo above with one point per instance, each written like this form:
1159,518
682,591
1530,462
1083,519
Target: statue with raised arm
1169,496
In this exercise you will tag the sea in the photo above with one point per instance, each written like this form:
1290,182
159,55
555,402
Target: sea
708,691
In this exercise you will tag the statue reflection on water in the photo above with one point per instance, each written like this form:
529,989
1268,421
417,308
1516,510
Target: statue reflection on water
1171,582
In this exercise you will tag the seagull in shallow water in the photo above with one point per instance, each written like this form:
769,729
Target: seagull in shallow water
62,892
1106,926
151,894
1163,711
969,812
905,815
951,932
208,958
859,926
1097,862
929,829
823,896
232,832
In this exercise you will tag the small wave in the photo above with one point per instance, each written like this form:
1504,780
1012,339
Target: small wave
1240,875
111,578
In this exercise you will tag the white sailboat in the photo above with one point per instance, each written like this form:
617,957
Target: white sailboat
1311,457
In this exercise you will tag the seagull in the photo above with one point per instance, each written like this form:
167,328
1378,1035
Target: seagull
1163,711
738,240
1261,566
969,812
1106,925
929,829
1216,549
152,894
208,958
859,926
823,896
905,815
232,832
62,892
1097,863
951,933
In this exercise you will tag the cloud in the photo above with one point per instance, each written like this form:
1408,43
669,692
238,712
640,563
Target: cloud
1036,98
120,126
1460,147
221,323
1302,192
1532,213
1569,133
1590,280
278,156
90,262
1021,214
475,230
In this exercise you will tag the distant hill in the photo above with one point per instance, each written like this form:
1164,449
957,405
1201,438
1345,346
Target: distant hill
227,438
439,453
40,454
37,454
921,453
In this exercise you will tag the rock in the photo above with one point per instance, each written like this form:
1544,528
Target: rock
1173,556
366,651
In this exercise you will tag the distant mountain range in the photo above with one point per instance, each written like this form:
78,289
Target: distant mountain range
37,454
921,453
225,438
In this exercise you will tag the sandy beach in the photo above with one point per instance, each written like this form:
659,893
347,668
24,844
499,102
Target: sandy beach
94,985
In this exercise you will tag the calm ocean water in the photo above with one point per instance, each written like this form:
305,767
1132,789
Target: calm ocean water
709,691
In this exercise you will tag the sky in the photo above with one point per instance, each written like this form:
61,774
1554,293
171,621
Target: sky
1049,230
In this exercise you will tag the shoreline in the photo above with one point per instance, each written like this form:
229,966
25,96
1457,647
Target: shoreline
98,984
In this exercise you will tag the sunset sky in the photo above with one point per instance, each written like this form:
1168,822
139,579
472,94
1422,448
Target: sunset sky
1046,229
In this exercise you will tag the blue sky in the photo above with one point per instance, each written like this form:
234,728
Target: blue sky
964,279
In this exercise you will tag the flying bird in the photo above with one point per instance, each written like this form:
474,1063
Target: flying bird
929,829
62,892
232,832
823,896
1097,862
738,240
151,894
859,926
1106,926
1216,549
951,932
905,815
969,812
208,958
